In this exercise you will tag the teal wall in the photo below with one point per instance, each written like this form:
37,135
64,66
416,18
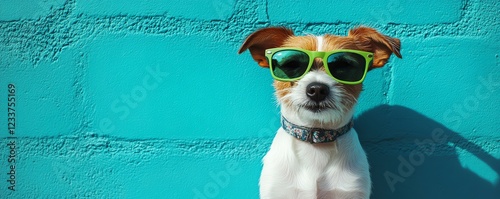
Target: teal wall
149,99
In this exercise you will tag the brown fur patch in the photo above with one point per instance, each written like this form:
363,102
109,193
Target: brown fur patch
332,42
354,90
282,88
365,39
263,39
304,42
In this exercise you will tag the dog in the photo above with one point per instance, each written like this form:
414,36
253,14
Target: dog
316,153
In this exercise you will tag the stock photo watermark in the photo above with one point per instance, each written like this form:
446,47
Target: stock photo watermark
416,158
61,170
461,111
11,137
272,128
122,106
223,8
394,8
219,181
455,116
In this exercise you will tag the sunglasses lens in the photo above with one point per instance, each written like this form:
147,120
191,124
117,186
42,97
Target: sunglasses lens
347,66
289,64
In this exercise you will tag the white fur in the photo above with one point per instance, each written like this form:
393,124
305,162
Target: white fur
296,169
328,119
319,43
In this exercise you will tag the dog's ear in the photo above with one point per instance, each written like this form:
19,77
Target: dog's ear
263,39
381,45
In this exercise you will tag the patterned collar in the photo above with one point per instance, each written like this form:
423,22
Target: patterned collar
314,135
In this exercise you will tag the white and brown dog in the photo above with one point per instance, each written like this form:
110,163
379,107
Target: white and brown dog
316,153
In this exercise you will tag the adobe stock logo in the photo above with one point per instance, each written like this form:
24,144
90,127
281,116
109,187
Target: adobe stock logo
223,8
131,100
457,113
393,9
220,180
272,127
470,104
416,158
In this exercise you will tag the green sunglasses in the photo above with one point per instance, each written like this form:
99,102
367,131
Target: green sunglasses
344,65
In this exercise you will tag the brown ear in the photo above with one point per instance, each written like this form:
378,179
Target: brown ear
381,45
263,39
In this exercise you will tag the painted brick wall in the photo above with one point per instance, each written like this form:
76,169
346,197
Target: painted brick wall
148,99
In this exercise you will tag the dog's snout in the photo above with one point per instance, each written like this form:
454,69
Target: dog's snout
317,91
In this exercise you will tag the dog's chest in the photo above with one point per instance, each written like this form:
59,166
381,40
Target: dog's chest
301,158
315,156
322,170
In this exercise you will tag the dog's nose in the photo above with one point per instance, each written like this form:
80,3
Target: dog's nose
317,91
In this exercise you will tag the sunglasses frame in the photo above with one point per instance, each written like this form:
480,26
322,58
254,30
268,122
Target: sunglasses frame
324,56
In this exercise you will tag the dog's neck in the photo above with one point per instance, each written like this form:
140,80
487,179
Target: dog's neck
314,135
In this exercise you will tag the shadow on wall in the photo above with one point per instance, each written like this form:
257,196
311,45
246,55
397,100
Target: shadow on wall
418,157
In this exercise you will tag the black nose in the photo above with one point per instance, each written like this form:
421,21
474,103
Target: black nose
317,91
